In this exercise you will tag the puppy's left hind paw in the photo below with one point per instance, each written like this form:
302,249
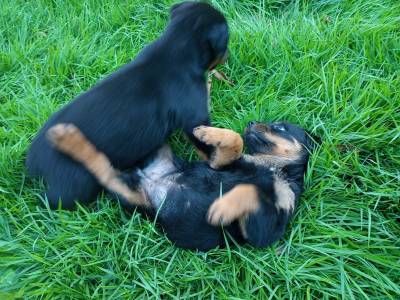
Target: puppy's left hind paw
60,132
69,139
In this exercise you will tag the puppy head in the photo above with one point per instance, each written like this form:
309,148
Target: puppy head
280,139
207,25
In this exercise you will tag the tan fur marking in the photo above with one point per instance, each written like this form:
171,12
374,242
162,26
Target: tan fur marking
241,200
69,139
228,144
285,198
268,160
284,147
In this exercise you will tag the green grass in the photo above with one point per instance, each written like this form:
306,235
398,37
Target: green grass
331,66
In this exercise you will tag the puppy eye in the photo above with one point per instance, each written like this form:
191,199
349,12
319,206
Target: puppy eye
279,127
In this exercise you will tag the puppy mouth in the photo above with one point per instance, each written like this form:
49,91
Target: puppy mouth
257,142
256,132
219,61
215,63
255,136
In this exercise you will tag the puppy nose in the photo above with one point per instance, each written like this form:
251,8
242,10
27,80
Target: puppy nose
252,123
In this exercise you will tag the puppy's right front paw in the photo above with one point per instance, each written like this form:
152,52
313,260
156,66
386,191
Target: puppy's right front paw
209,135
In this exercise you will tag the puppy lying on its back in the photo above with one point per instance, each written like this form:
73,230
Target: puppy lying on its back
254,196
132,112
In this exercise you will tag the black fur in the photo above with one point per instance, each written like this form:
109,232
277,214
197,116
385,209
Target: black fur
134,110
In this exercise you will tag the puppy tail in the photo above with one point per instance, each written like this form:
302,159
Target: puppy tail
68,139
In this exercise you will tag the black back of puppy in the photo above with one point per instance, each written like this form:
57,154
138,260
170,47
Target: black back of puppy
134,110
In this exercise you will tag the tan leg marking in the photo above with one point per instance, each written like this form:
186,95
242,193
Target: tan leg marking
237,203
285,198
69,139
228,144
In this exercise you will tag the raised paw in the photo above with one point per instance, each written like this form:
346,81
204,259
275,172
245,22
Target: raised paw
221,213
239,201
209,135
228,144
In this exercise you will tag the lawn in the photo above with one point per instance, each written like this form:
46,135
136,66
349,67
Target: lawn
331,66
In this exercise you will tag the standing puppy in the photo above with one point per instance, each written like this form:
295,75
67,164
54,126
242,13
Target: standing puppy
132,112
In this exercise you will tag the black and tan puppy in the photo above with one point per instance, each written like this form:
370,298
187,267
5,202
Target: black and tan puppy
253,196
133,111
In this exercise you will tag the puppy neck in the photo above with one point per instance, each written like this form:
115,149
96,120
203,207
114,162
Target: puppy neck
288,168
271,161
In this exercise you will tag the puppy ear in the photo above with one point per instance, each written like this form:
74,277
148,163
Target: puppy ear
177,7
217,39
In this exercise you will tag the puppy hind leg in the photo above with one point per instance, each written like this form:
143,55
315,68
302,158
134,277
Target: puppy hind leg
69,139
55,200
66,194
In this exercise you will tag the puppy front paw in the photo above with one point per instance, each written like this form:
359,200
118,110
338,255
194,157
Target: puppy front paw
239,201
227,143
209,135
221,213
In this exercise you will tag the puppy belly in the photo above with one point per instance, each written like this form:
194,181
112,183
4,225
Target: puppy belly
158,176
156,190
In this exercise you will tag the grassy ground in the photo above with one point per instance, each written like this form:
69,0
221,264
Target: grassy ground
331,66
